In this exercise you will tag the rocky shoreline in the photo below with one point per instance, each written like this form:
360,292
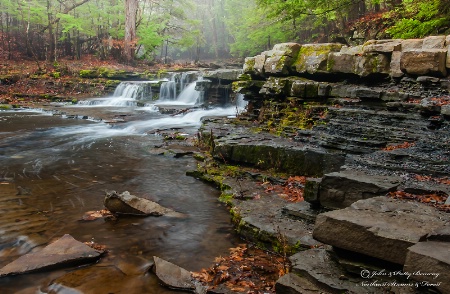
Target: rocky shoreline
369,128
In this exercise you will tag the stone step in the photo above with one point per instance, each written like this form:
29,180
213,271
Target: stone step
372,225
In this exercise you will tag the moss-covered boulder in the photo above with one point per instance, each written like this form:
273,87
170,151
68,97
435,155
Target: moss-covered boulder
312,58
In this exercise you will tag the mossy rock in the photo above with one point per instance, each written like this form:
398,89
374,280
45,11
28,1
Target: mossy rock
88,73
313,58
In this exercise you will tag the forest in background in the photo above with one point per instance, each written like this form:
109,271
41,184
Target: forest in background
194,30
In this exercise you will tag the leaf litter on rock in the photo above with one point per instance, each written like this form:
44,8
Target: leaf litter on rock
245,269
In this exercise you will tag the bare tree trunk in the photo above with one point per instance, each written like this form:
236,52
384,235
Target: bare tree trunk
51,37
130,29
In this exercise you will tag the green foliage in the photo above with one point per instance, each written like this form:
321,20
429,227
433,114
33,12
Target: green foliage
417,19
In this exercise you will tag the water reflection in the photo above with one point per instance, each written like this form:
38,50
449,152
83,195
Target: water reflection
53,170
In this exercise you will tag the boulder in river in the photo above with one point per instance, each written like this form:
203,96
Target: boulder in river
125,203
66,251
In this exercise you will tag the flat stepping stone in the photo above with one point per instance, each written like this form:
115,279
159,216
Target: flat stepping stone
372,225
66,251
262,221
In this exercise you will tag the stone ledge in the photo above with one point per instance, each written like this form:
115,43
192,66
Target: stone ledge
374,225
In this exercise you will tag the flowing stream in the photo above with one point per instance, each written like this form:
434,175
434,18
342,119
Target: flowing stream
54,169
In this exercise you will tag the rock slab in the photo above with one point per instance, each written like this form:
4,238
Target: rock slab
380,227
319,267
429,263
172,275
63,252
126,203
341,189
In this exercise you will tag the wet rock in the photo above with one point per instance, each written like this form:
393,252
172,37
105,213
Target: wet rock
366,224
394,96
427,79
300,210
294,284
341,189
66,251
429,263
364,92
262,221
297,160
126,203
172,275
424,62
311,191
320,268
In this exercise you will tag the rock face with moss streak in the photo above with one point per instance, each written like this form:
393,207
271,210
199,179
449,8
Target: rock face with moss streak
313,58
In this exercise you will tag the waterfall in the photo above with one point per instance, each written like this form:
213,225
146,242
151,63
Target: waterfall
168,90
126,94
134,90
240,102
178,82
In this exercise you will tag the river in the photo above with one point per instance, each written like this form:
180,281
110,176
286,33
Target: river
54,168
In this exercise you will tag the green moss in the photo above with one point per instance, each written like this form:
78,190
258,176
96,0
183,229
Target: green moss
317,51
245,77
249,65
330,63
5,106
88,73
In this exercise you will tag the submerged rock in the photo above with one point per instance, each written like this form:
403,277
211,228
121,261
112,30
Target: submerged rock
126,203
65,251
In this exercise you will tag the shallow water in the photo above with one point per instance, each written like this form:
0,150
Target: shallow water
54,169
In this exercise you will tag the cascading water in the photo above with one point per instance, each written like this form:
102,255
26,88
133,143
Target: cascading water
168,90
172,89
126,94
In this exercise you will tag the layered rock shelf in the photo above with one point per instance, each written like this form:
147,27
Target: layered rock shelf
369,128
